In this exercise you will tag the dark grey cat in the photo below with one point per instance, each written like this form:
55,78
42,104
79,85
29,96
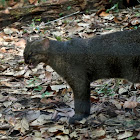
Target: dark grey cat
81,61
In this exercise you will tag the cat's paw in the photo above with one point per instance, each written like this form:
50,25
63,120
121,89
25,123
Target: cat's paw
76,118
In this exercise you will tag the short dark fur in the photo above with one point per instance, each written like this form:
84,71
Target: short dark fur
81,61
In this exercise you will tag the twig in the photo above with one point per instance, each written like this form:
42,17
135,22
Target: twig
50,38
63,17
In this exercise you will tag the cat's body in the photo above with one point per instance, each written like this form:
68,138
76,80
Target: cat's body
81,61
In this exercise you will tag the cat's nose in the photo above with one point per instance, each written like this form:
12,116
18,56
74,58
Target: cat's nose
26,61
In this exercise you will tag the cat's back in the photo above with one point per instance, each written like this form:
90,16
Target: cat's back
118,43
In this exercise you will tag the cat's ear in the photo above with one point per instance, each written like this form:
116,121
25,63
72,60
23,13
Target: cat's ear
46,43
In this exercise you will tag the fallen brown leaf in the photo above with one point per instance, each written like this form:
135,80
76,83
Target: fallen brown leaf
103,14
129,104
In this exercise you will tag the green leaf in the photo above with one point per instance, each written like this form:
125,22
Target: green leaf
31,82
137,14
131,138
69,7
39,88
38,19
58,38
87,11
115,6
45,93
61,14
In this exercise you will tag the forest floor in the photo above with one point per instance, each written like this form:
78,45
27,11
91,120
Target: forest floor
37,104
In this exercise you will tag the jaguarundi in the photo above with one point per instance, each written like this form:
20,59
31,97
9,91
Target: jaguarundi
81,61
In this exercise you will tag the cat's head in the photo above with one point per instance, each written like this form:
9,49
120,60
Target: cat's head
36,52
